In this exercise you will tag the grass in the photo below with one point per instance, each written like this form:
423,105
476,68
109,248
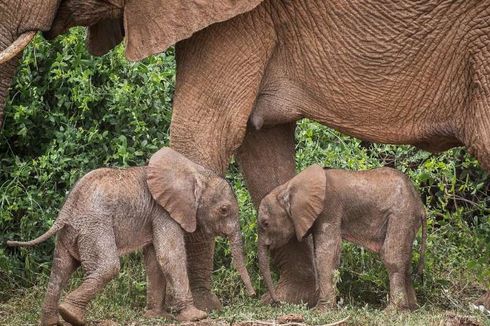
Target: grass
448,285
24,309
24,306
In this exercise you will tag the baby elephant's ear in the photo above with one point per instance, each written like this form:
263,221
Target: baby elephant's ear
306,195
176,184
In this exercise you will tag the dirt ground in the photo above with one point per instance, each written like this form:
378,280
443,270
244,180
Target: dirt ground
451,319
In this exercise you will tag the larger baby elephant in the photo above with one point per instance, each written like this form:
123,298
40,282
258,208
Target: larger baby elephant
111,212
377,209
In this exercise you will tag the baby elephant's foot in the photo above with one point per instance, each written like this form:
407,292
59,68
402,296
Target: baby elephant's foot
191,314
51,320
72,314
153,313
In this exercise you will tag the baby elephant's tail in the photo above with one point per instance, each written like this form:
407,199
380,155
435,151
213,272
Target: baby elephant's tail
58,225
422,247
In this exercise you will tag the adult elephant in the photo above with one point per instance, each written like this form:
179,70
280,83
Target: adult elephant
405,72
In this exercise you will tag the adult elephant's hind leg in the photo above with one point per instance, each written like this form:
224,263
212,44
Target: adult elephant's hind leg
266,158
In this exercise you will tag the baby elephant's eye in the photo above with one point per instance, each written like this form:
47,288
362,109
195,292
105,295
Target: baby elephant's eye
224,210
264,224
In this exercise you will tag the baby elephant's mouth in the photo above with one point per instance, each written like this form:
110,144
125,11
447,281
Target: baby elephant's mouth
213,231
207,231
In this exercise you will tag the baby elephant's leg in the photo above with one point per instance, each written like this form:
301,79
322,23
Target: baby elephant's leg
396,254
168,240
100,261
412,298
327,255
156,285
416,222
63,266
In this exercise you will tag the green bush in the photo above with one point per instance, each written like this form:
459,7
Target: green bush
70,113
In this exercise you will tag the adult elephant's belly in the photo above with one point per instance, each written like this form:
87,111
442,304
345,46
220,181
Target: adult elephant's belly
392,112
389,114
381,73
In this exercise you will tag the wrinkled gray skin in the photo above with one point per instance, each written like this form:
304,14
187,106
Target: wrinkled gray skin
401,72
378,209
112,212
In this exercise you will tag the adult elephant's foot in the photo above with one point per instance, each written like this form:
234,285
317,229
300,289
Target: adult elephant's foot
203,299
295,291
297,282
393,308
206,300
484,301
325,306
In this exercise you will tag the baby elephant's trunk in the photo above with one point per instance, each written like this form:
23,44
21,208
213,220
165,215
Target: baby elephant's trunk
237,251
265,270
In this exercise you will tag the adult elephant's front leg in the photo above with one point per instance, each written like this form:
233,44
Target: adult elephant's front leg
266,158
219,72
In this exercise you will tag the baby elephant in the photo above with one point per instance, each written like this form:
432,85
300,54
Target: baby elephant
377,209
111,212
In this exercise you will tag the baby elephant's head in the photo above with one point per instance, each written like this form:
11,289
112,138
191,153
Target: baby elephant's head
196,197
289,209
193,195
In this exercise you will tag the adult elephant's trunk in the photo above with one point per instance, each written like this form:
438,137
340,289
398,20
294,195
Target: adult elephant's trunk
238,256
265,269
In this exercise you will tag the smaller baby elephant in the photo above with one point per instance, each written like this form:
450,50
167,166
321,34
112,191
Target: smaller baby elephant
111,212
378,209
